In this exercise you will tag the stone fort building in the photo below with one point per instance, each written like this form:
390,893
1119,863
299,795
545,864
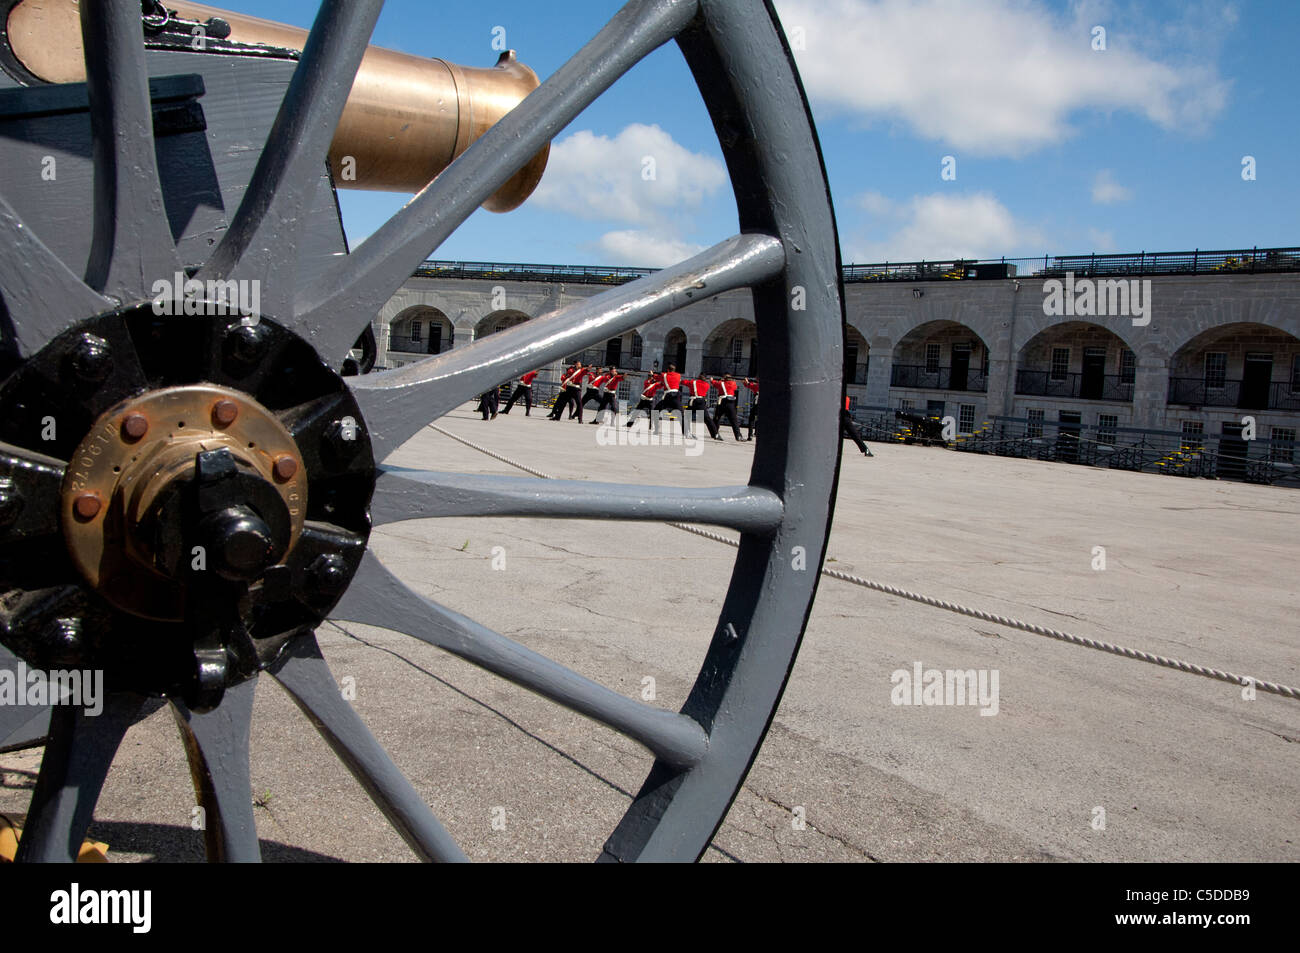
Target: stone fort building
1190,342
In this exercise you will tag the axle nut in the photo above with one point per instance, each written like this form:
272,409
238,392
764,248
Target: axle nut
90,359
328,575
285,467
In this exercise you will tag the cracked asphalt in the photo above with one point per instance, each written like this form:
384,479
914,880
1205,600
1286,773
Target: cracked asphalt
1180,768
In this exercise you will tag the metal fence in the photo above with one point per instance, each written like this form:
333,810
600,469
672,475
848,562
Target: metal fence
1196,392
937,378
1031,383
1195,262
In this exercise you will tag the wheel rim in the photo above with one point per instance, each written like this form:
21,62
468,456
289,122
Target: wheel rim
786,251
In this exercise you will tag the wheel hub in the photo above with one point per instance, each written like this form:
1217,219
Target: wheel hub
131,509
213,504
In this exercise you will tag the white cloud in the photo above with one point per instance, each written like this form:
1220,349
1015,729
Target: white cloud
1106,191
940,226
997,77
639,248
603,179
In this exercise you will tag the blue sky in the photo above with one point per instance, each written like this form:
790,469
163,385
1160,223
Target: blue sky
1059,148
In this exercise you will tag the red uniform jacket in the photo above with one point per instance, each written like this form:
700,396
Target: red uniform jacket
727,388
698,388
672,380
596,381
752,385
527,379
652,384
611,385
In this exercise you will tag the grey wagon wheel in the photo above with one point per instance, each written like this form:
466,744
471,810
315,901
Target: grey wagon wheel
89,347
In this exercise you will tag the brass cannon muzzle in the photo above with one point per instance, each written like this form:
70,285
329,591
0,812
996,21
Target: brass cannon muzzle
405,120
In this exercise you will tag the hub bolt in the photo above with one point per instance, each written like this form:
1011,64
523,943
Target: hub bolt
245,347
135,426
224,413
87,506
328,574
91,359
285,467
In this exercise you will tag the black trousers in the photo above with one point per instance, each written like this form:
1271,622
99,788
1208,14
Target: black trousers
487,404
568,396
727,409
700,404
526,392
849,429
643,404
672,401
588,397
608,401
753,418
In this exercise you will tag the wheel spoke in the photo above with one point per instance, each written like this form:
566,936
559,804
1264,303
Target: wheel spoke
301,669
132,243
76,762
417,494
351,293
216,743
398,404
262,241
41,294
376,597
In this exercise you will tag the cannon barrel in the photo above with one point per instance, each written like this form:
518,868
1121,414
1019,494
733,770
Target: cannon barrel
406,117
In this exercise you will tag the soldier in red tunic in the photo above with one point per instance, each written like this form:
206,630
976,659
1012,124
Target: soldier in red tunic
646,403
609,396
753,408
672,398
849,429
696,391
726,407
523,389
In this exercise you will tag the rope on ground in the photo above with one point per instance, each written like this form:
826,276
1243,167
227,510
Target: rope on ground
1190,668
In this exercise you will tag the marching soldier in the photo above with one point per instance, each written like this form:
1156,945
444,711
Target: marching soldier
696,391
671,400
726,406
849,429
488,402
753,408
593,389
570,383
609,396
646,403
523,389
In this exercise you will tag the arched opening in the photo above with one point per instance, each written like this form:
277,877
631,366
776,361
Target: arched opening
674,350
941,355
1076,360
732,348
420,330
1245,365
857,353
498,321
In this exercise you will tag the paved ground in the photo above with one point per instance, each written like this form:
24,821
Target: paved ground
1184,768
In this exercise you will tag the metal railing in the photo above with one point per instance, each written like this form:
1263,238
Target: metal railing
1194,391
1212,456
1195,262
939,378
725,365
1031,383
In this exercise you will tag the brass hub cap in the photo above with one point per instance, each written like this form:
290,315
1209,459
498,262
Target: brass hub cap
139,449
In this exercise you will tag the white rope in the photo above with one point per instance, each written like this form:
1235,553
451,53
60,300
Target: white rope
1191,668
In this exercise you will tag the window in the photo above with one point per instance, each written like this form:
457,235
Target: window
1035,426
905,404
636,350
1127,366
1216,369
966,418
1282,449
737,350
932,358
1106,424
415,330
1060,363
1193,432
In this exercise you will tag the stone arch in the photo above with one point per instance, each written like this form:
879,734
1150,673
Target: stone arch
674,350
499,321
420,329
732,348
1241,364
1076,359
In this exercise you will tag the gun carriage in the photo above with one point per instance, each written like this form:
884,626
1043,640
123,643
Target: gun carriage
134,435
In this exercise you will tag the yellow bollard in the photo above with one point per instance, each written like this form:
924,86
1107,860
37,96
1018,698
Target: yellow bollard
92,852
